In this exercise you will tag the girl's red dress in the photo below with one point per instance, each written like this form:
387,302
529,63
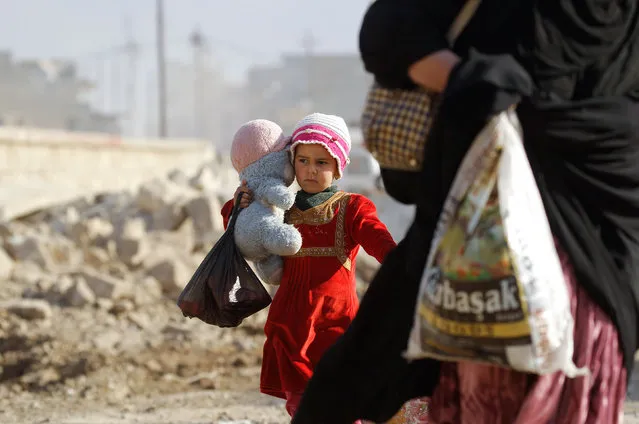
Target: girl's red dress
316,300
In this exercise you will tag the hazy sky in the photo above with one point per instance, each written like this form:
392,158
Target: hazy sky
241,31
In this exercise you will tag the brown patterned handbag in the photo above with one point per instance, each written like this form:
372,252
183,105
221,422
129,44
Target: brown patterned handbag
396,122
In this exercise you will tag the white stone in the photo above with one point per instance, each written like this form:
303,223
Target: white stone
157,193
172,275
105,286
89,231
132,251
208,224
205,180
29,309
6,265
80,294
29,248
168,218
96,257
147,292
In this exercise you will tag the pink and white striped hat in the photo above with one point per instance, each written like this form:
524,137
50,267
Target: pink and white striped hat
329,131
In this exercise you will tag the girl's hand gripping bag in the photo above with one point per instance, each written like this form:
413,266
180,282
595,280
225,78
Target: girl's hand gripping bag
493,289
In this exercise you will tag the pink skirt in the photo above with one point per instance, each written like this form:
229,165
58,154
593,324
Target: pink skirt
471,393
415,411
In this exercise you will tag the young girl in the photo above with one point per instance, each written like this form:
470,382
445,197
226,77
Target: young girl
316,300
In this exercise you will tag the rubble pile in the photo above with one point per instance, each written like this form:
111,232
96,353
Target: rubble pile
88,289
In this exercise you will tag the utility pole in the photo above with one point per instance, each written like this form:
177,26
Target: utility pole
162,124
115,87
197,42
131,50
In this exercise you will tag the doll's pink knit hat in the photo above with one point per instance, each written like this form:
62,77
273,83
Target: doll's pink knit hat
330,131
254,140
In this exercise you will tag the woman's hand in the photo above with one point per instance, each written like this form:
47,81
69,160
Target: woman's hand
247,196
432,71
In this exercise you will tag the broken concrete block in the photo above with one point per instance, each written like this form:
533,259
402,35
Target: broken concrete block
171,274
207,221
29,248
6,265
80,294
29,309
90,231
132,251
105,286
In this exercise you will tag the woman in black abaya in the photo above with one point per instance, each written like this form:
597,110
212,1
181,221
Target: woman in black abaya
573,67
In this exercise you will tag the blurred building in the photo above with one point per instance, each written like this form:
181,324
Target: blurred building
192,96
300,84
48,94
200,104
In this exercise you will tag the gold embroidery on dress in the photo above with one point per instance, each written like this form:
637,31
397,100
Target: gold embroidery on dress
317,215
340,235
339,248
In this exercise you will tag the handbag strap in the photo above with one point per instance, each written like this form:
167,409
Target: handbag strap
234,213
462,19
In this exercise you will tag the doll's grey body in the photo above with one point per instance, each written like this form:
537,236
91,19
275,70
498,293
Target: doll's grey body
260,231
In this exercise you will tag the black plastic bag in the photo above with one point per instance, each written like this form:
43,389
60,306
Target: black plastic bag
224,289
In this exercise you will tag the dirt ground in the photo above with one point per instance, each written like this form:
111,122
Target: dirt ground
150,365
89,328
195,407
188,407
92,367
87,337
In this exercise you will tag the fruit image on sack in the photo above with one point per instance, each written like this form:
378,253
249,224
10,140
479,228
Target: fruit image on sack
493,289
